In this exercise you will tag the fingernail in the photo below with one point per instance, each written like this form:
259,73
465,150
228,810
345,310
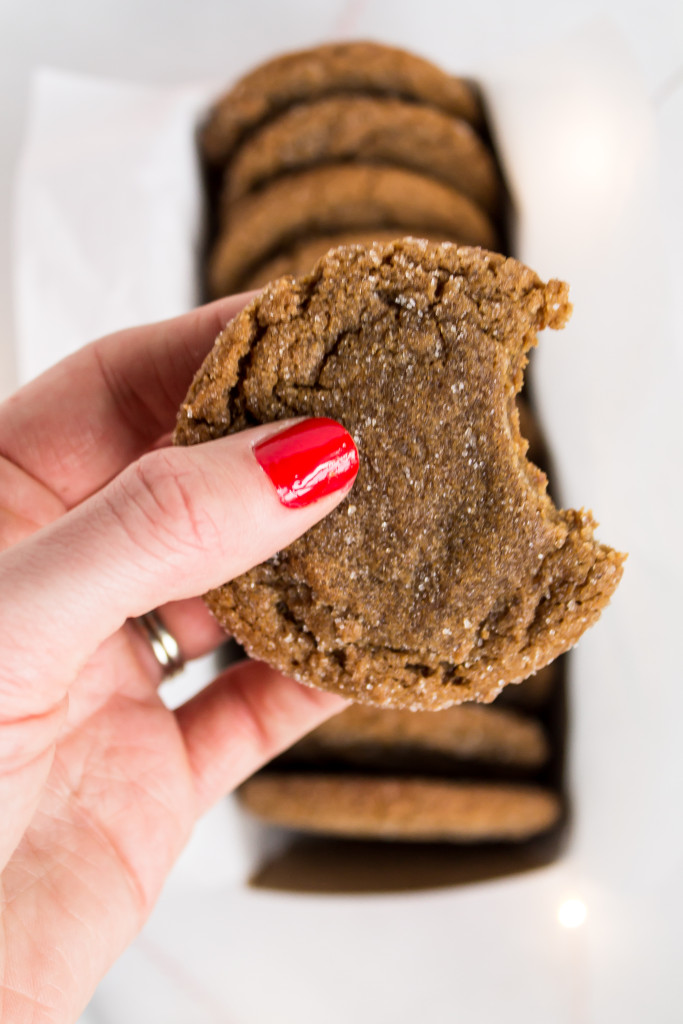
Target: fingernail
309,460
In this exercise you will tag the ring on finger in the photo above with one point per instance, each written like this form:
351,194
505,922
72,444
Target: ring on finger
164,645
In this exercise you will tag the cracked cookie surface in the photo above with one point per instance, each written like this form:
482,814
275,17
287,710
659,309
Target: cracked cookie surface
447,572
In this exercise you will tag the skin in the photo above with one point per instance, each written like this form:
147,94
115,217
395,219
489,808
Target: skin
100,521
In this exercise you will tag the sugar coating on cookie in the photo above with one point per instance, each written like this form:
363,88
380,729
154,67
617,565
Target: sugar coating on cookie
447,572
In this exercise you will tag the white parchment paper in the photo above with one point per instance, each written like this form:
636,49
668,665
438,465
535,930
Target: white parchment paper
108,211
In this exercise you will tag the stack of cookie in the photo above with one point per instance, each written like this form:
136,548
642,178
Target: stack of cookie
345,143
358,143
466,774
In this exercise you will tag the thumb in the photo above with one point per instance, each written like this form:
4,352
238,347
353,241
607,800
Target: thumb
174,524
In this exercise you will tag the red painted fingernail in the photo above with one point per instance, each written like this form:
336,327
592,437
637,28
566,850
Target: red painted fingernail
309,460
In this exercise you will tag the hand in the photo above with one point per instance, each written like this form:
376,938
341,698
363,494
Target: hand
100,784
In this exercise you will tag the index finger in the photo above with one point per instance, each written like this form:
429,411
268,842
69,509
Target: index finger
81,422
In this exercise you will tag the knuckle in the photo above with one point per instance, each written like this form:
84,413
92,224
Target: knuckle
161,505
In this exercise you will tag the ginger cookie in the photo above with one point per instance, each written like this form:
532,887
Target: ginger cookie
300,257
410,809
337,68
368,129
447,572
469,732
337,197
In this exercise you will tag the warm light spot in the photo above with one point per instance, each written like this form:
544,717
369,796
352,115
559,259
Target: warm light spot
592,157
572,913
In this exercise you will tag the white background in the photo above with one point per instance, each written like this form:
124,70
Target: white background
215,951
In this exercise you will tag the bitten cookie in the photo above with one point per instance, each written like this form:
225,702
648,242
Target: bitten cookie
327,199
448,571
418,810
368,129
330,70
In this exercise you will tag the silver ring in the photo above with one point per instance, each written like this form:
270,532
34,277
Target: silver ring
164,645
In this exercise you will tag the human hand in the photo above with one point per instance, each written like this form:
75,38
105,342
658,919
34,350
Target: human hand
100,784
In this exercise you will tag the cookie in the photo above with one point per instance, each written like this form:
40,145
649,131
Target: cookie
340,196
337,68
423,810
447,571
368,129
470,732
300,257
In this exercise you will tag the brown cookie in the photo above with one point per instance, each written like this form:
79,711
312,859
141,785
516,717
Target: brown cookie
469,732
448,571
337,68
422,810
328,199
300,257
368,129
